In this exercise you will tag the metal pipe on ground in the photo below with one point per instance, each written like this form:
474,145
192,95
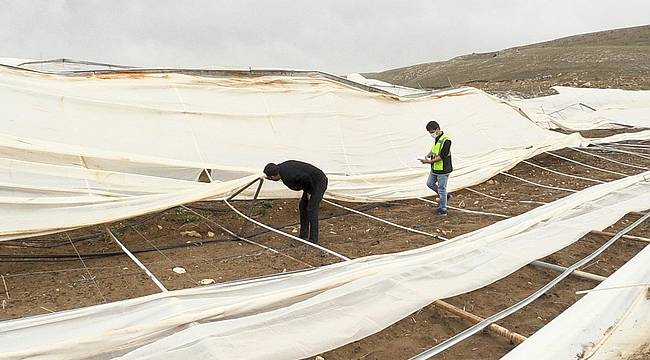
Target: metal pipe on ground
511,336
576,273
521,304
629,237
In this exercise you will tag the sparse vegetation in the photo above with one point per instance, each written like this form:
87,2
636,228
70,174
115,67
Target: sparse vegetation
614,58
265,206
183,216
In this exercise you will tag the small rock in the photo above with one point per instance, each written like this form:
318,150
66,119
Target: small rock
490,182
319,358
179,270
294,230
476,202
191,233
210,234
159,227
206,281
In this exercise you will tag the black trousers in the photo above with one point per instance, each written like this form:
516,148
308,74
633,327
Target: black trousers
309,207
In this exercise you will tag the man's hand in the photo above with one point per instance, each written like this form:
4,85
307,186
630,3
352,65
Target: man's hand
430,161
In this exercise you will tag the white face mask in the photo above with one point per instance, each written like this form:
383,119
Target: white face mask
434,135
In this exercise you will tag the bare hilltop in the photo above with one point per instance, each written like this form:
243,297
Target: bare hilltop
617,58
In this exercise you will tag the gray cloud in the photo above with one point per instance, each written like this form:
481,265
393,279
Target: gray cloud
337,36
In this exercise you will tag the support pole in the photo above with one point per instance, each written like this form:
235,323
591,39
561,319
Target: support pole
610,160
257,193
382,220
250,209
342,257
136,261
586,165
538,185
245,187
511,336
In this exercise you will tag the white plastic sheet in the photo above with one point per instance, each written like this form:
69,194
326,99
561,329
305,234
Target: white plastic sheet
612,322
298,315
391,88
67,137
77,151
587,109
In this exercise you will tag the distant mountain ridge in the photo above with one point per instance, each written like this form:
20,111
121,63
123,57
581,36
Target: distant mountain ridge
617,58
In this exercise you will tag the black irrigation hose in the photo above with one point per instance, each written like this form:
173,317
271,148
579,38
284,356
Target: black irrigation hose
51,243
47,244
75,257
195,207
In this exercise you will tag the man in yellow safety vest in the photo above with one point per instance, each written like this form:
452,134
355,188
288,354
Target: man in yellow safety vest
440,159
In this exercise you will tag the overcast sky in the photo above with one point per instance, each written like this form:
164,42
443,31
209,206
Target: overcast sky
340,36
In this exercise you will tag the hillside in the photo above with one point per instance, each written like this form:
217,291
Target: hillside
614,58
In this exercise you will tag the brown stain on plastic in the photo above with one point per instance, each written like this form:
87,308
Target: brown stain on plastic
119,75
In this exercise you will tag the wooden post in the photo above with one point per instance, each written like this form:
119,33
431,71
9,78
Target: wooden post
630,237
511,336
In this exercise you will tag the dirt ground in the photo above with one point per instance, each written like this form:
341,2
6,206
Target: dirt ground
85,267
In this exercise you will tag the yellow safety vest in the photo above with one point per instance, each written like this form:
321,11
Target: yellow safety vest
435,150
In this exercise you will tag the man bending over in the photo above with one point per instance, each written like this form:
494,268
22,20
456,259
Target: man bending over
298,175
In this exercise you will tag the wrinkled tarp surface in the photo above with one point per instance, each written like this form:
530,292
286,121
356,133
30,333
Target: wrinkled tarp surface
611,322
587,109
79,149
297,315
89,148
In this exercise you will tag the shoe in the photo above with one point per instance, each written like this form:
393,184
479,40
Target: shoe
441,212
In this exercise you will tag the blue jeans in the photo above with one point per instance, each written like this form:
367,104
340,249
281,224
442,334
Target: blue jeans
438,183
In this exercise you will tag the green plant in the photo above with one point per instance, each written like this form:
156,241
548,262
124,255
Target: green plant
265,206
190,218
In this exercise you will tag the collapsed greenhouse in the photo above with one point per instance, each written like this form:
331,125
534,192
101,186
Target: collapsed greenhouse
114,176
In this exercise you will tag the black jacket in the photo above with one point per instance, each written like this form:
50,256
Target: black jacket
298,175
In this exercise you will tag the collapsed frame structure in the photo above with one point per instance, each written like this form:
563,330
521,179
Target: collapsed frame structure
641,200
